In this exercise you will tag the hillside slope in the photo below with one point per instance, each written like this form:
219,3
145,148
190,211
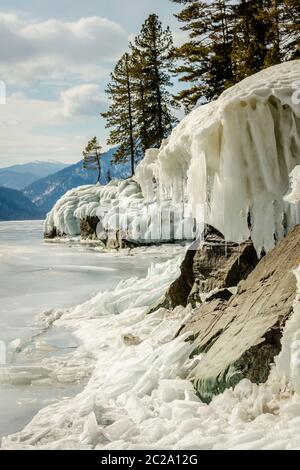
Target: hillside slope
15,206
46,192
20,176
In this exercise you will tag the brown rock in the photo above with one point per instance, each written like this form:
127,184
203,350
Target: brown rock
215,264
241,336
88,228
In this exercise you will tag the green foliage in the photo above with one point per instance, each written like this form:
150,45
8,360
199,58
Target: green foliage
152,52
119,116
205,62
139,115
257,40
290,23
230,40
91,156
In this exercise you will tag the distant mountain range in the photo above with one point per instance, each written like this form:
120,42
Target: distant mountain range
20,176
45,192
15,206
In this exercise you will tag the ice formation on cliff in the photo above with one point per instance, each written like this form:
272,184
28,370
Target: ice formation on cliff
86,201
227,162
234,156
139,395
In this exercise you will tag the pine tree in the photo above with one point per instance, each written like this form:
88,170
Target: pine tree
257,42
205,61
91,156
153,61
291,29
120,115
222,27
232,39
268,32
142,102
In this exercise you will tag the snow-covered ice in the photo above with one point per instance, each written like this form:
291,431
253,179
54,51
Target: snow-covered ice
139,397
41,277
121,207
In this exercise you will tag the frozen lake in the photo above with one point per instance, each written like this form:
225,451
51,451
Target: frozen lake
37,276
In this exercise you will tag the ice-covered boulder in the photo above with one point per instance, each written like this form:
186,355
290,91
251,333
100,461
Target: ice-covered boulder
79,211
118,215
226,164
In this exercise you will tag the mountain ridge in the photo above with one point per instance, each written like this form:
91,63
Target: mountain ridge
14,205
45,192
21,175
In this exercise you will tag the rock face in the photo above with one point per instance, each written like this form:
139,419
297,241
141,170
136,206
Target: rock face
50,235
241,336
88,228
15,206
215,264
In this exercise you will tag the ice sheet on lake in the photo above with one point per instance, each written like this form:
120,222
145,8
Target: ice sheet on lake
138,396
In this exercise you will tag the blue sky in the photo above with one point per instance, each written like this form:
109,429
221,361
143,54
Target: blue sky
55,60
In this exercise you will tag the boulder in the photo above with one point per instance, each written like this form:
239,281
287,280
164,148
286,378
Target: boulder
51,234
88,228
208,265
240,336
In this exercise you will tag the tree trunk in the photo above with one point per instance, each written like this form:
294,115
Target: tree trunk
99,168
130,118
158,92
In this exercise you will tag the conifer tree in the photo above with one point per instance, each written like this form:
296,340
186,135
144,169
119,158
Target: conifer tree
91,157
205,61
142,102
232,39
153,60
291,29
257,36
120,115
268,32
140,112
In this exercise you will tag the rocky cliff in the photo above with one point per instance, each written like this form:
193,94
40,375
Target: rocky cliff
238,331
211,265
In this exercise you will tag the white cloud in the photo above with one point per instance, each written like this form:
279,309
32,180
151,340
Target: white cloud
38,50
82,101
31,130
180,38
